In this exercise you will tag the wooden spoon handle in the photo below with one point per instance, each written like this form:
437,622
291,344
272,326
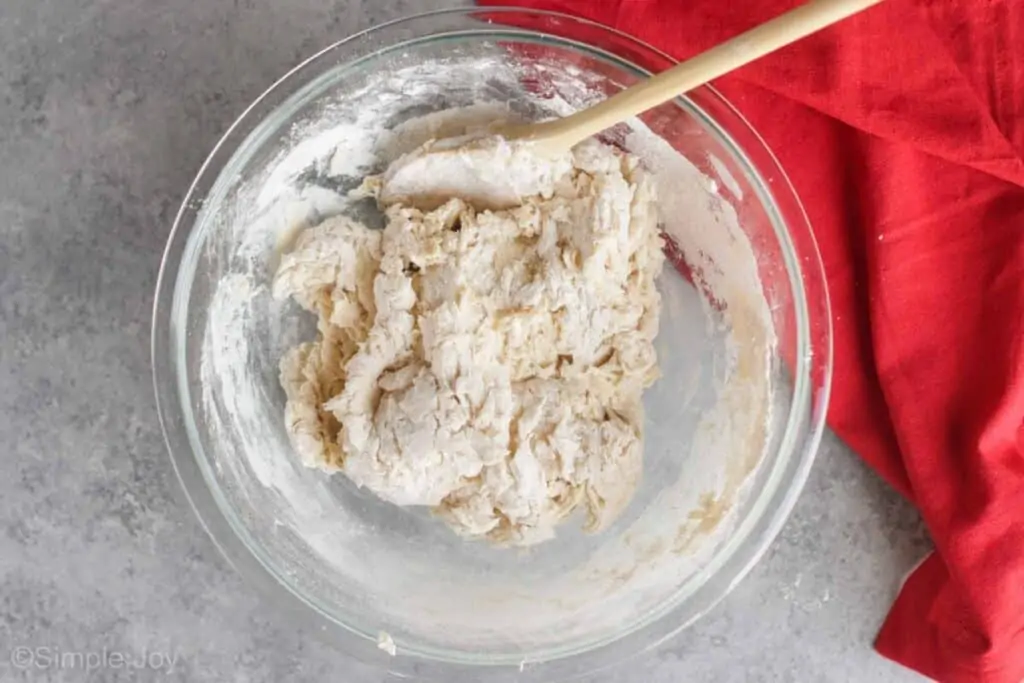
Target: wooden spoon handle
563,134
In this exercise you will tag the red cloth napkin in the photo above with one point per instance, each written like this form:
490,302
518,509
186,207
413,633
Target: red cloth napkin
902,130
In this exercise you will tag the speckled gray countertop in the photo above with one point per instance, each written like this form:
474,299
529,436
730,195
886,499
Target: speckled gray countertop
107,110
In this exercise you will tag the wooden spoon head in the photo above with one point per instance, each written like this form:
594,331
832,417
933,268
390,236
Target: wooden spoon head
488,172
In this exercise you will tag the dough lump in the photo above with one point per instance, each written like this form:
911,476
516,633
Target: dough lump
489,364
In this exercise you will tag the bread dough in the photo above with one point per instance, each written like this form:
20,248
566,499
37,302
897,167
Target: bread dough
489,364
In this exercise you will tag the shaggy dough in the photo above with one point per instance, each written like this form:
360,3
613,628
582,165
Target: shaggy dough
489,364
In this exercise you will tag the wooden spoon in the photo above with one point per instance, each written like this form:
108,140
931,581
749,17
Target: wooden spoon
490,173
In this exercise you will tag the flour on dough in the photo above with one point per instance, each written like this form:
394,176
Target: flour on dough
488,364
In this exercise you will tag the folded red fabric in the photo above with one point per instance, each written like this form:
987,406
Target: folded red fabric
902,130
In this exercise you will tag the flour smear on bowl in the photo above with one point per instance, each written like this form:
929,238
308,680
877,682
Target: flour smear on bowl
654,546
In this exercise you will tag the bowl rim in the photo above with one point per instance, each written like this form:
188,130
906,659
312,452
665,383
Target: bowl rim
172,410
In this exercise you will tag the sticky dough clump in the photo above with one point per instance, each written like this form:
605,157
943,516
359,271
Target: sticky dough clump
487,363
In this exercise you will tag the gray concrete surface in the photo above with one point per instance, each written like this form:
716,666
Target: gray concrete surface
107,109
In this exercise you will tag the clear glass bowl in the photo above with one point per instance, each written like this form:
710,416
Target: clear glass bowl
732,426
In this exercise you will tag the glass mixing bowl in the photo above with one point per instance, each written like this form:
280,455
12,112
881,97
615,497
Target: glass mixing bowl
731,427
